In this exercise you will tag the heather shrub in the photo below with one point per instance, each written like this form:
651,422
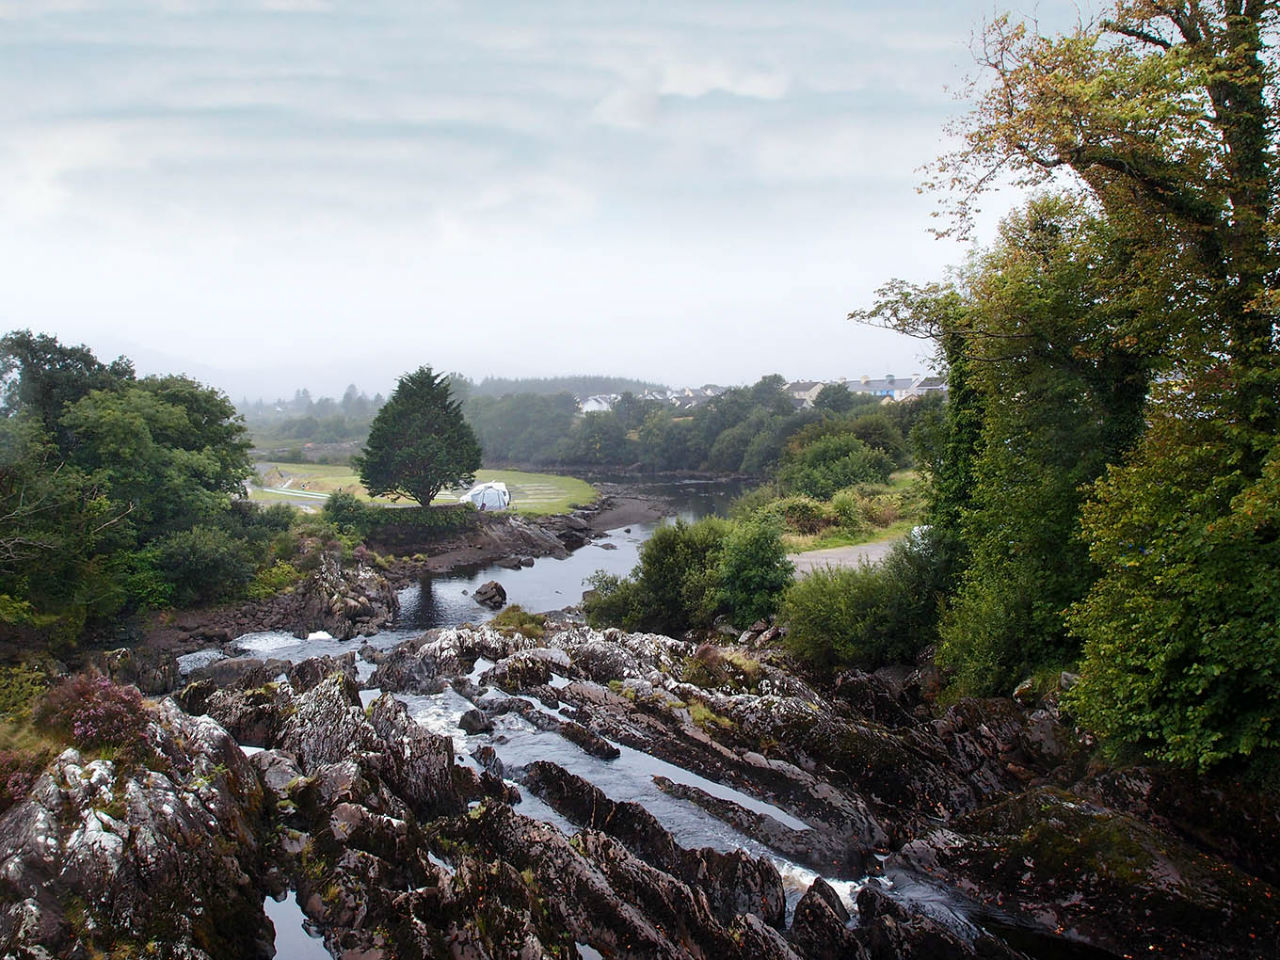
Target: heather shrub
92,712
18,771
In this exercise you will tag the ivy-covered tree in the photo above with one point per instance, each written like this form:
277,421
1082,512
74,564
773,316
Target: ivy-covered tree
1165,114
419,443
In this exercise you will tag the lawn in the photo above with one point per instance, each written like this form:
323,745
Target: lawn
532,494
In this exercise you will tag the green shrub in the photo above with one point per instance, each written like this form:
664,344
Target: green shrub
803,515
832,463
754,571
204,564
675,586
613,601
277,578
345,511
20,684
847,505
866,616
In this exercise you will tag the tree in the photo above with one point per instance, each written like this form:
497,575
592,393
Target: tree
42,376
419,443
754,571
835,397
1165,114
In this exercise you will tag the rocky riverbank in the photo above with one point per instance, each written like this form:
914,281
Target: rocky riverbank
982,829
358,598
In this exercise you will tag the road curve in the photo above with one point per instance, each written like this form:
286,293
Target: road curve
842,556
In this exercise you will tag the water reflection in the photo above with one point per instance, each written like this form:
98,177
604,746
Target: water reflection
445,600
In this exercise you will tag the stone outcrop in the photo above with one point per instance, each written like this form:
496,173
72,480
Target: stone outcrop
107,855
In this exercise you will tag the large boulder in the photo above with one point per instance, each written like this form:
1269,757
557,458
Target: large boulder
1110,880
167,849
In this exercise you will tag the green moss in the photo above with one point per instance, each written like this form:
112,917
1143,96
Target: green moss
708,719
515,619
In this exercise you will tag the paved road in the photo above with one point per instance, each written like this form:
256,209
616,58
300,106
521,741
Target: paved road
842,556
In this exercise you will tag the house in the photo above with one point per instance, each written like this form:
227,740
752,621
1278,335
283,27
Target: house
805,391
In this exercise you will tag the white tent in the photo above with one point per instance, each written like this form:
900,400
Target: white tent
488,496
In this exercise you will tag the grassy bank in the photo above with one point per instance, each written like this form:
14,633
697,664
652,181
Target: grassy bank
309,484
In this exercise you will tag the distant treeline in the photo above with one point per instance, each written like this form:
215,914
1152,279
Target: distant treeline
578,386
744,430
302,419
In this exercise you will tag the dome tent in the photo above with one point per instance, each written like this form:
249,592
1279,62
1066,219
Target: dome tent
488,496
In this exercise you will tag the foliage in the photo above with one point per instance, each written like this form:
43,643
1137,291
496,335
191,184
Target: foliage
673,588
1050,421
92,712
753,571
345,511
272,580
1182,656
515,619
801,514
42,377
830,463
20,684
18,771
869,615
204,564
419,443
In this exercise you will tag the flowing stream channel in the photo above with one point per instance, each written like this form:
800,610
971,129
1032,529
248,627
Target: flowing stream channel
551,584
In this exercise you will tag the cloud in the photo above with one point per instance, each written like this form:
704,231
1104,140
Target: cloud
301,179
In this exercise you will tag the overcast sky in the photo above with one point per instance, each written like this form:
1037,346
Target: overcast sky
269,194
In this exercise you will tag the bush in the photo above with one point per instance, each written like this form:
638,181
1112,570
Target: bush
754,571
345,511
675,587
802,514
277,578
20,684
869,615
204,564
832,463
18,771
613,601
92,712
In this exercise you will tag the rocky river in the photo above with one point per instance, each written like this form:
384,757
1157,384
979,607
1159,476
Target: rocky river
447,790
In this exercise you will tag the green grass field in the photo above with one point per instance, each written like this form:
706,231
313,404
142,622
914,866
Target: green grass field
309,484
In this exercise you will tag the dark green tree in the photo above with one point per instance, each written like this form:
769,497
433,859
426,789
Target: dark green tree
419,443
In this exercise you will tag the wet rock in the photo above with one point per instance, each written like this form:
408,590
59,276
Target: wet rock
252,716
245,672
889,930
490,594
873,698
1117,884
837,854
278,770
604,896
416,764
165,853
735,883
151,671
305,675
820,925
327,725
475,721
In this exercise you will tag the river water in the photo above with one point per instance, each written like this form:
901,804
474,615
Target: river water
551,584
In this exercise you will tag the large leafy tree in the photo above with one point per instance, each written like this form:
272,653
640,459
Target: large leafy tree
1165,113
419,442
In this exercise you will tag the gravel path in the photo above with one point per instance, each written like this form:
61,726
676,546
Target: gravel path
842,556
